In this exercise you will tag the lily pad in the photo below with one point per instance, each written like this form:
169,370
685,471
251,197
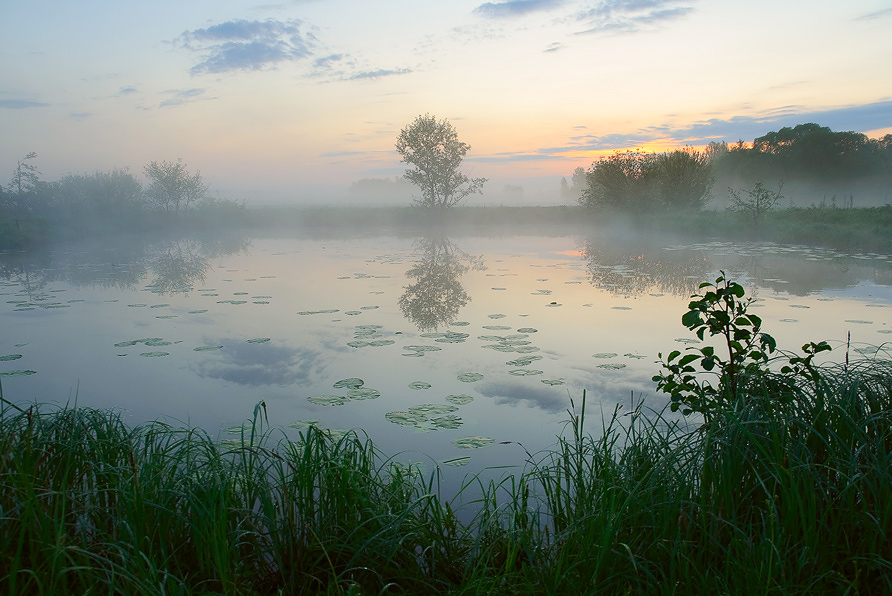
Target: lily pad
155,354
612,366
18,373
469,377
604,355
318,312
527,330
457,462
428,409
406,418
522,372
207,348
472,442
363,393
304,424
524,360
9,357
497,316
352,383
447,422
327,400
460,399
419,385
198,312
459,323
553,382
257,340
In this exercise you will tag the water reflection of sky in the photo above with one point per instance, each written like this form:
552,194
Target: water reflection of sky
283,320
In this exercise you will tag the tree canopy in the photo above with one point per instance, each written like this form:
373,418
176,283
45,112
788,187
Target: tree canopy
433,149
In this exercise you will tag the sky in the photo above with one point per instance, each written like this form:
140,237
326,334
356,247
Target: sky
293,101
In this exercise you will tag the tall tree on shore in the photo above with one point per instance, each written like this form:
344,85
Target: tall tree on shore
433,149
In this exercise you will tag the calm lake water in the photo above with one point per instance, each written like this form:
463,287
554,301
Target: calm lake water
443,350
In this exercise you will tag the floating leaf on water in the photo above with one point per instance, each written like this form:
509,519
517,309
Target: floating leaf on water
261,297
612,366
604,355
497,327
553,304
240,293
524,360
166,317
353,313
459,323
10,357
460,399
447,422
137,305
318,312
238,429
799,306
211,294
419,385
458,461
541,292
18,373
406,418
304,424
469,377
497,316
327,400
414,354
127,344
687,340
198,312
527,330
500,288
232,301
423,348
336,434
352,383
261,302
155,354
472,442
381,342
428,409
499,347
884,331
526,349
363,393
859,322
257,340
358,343
522,372
789,320
207,348
368,307
159,305
621,307
553,382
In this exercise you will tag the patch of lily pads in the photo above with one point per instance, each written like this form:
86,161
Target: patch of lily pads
17,373
427,417
459,399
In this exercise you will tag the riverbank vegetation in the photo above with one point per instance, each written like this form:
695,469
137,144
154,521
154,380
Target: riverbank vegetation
780,482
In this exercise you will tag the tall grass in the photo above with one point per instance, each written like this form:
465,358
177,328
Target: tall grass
778,494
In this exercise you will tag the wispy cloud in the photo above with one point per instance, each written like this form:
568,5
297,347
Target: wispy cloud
180,97
886,12
127,90
515,8
79,116
379,73
248,45
21,104
630,16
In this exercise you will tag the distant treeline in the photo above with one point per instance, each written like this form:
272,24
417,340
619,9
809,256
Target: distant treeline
809,160
82,204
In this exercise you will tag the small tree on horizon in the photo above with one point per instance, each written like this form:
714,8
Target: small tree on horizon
171,187
434,150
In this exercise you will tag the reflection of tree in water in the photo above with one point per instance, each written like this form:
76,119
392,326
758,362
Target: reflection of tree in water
637,269
178,268
176,264
437,294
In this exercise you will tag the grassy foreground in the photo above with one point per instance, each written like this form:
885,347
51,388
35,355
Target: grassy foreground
772,496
